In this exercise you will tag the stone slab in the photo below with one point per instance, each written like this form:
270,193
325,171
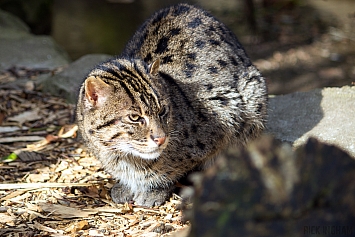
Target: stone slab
19,48
327,114
11,26
34,52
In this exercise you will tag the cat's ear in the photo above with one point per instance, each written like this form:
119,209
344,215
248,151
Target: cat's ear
154,67
96,91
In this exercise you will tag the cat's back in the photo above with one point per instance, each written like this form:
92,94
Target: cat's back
190,43
206,60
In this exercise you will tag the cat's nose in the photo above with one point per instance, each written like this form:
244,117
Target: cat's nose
159,140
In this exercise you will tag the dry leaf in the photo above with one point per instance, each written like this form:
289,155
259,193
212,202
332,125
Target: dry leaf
21,197
81,225
32,207
26,116
62,166
127,207
4,218
65,212
96,233
39,226
37,145
37,178
152,227
104,193
13,194
68,131
30,156
32,216
91,191
51,138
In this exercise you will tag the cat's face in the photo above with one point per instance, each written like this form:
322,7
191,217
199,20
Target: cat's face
125,119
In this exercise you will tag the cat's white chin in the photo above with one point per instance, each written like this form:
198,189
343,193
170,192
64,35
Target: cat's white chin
147,156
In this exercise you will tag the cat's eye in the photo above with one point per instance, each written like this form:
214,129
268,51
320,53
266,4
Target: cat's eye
135,118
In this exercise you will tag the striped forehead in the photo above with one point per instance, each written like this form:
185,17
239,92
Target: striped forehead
133,79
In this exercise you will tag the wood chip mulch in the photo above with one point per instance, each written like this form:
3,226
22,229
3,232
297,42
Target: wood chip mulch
51,186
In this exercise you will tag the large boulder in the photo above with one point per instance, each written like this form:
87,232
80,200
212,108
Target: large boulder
327,114
19,48
12,27
32,52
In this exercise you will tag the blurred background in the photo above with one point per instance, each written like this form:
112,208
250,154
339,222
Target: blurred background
297,44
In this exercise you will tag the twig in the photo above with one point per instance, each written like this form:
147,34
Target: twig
20,139
42,185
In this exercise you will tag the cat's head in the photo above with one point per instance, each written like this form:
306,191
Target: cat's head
126,108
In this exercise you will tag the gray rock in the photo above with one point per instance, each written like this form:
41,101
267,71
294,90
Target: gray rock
18,48
66,84
12,27
39,52
327,114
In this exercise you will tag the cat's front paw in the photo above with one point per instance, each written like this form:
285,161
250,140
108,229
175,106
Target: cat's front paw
121,194
152,198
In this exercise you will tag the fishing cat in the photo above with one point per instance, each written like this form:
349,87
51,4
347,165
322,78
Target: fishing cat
182,90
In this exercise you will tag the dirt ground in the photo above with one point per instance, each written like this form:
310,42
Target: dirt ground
50,186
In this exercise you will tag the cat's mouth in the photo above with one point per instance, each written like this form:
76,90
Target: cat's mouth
149,152
147,155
